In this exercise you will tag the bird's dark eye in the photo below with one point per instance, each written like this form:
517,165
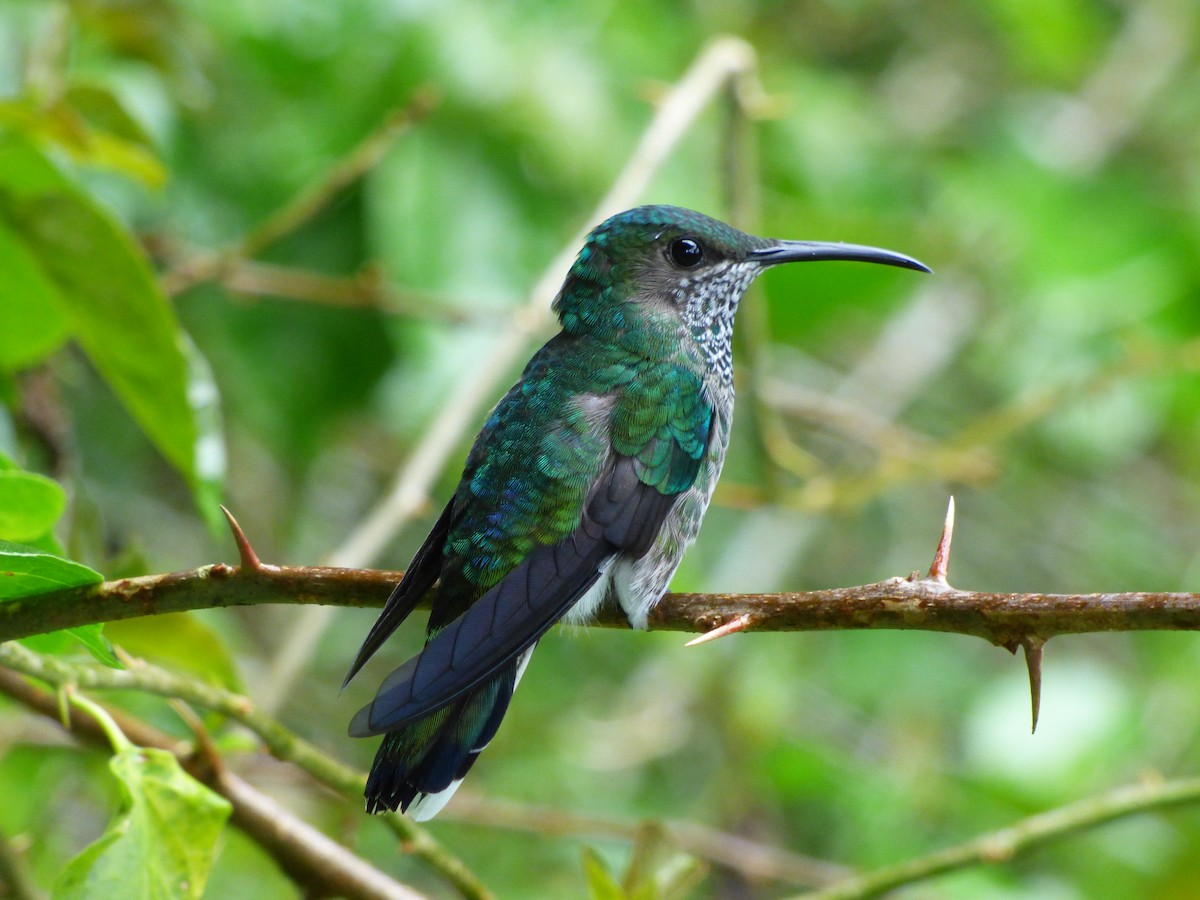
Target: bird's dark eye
686,252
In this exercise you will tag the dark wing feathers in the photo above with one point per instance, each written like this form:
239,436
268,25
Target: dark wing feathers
503,622
660,448
624,514
417,580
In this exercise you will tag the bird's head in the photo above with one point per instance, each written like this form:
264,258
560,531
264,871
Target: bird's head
657,269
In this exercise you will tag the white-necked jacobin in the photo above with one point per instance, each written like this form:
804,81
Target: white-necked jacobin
586,484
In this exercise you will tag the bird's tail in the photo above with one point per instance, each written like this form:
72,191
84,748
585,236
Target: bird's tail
419,766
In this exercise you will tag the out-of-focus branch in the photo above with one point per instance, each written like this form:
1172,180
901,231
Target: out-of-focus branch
320,865
1082,131
1001,846
752,859
306,204
366,289
282,743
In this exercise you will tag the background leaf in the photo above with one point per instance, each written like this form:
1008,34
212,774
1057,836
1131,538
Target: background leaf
111,300
32,323
29,505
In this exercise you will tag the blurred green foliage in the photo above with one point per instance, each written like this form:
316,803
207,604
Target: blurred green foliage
1042,160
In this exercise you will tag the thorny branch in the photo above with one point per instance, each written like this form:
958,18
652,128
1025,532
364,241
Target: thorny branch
911,603
914,602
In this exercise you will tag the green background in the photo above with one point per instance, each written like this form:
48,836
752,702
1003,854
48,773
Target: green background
1044,160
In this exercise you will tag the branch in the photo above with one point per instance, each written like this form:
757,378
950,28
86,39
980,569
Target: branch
1003,845
752,859
366,289
309,857
207,587
907,604
280,741
910,604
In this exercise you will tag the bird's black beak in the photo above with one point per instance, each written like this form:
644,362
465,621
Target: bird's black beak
802,251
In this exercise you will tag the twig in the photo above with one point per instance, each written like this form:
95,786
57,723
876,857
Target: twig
966,456
776,451
364,290
298,847
1003,845
750,858
282,743
293,214
307,855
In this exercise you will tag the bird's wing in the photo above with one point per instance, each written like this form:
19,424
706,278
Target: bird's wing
417,580
623,513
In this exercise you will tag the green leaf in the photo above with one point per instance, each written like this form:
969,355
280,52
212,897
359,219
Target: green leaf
102,109
32,323
109,295
92,637
27,572
600,882
160,845
29,505
109,136
68,640
90,125
52,643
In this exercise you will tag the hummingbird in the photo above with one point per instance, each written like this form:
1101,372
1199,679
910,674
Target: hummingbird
586,484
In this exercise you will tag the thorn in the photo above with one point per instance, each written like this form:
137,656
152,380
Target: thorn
1033,662
941,556
204,750
733,626
250,560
